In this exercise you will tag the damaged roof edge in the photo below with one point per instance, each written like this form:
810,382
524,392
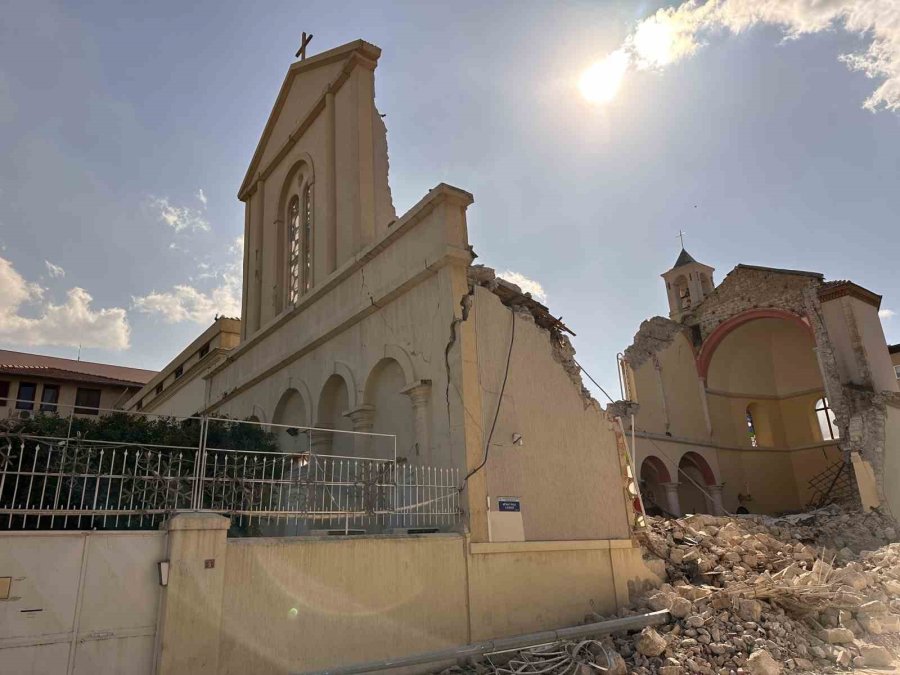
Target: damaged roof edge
513,296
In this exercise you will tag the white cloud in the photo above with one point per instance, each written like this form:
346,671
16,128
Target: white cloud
201,196
179,218
886,314
527,285
70,324
55,271
184,302
674,33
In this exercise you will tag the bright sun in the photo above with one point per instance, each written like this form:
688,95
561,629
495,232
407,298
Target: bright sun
601,81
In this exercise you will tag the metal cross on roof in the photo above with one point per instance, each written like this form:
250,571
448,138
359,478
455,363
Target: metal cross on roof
305,41
681,236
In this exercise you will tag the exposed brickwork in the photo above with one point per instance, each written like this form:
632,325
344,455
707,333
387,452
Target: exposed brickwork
745,289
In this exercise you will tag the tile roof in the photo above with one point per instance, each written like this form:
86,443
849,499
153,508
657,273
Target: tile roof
70,369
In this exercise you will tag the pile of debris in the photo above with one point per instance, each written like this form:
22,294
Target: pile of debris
817,592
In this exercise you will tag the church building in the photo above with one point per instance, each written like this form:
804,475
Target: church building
772,391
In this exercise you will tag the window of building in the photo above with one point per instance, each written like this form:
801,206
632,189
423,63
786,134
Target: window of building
87,401
25,397
159,389
827,422
4,393
307,238
751,429
49,398
140,405
179,371
295,248
897,371
204,350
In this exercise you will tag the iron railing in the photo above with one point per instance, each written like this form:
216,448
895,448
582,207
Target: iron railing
64,483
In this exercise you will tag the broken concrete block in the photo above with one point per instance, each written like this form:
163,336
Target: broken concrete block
749,610
875,656
837,636
650,643
762,663
681,607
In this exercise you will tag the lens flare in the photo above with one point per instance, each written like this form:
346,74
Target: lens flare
601,82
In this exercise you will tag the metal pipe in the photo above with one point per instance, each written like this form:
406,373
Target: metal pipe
503,644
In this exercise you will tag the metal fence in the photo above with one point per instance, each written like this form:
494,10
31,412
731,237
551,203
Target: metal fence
77,483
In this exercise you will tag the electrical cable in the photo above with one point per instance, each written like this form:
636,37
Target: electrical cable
581,368
487,446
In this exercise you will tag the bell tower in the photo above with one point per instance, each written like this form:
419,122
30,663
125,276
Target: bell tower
687,284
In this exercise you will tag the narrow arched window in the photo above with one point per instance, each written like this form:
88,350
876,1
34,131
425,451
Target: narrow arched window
751,428
827,422
306,249
295,246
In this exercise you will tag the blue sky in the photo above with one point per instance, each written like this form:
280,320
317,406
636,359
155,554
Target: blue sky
115,116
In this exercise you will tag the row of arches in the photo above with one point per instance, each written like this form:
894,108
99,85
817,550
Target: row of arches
392,402
694,488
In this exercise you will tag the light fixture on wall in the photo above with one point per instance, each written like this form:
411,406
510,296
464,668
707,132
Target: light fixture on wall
162,567
517,439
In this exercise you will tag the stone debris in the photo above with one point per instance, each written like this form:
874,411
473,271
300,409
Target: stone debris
753,595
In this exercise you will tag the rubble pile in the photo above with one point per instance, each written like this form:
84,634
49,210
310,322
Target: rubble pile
753,595
761,595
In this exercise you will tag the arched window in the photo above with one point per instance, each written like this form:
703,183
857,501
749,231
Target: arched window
683,292
751,428
295,248
306,251
827,423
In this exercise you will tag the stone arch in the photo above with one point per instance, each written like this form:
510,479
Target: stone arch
695,476
399,355
682,292
714,340
334,401
392,410
654,474
292,409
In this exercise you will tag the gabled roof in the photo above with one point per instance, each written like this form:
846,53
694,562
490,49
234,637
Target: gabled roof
684,258
366,49
894,349
759,268
39,365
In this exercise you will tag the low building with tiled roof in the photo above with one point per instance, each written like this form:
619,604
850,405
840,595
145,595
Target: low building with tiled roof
31,383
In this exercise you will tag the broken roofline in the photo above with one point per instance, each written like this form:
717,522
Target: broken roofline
512,296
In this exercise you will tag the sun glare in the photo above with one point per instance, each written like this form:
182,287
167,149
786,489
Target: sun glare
654,43
601,81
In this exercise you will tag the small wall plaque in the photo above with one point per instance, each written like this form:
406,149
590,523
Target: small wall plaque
209,563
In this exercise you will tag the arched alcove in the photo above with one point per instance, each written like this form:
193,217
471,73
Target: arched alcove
694,474
291,409
334,401
393,409
653,475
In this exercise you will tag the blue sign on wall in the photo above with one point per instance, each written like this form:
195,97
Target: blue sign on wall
509,504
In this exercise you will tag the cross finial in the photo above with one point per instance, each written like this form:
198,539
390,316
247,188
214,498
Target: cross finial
681,236
303,42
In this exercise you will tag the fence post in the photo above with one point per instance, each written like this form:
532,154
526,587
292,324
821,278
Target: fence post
199,467
191,610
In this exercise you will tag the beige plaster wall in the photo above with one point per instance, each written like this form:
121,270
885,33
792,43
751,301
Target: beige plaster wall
892,459
394,302
520,588
356,599
567,470
874,345
296,604
111,398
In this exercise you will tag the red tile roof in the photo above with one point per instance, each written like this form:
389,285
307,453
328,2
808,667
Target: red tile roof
22,363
